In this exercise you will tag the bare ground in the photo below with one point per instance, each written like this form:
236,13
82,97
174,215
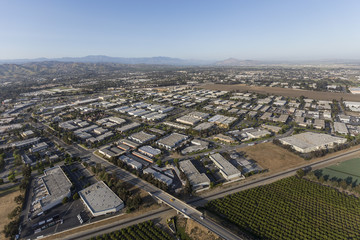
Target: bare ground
272,157
287,92
276,159
196,231
7,204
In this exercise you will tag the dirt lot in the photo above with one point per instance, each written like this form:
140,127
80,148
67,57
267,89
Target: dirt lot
7,204
194,230
277,159
294,93
272,157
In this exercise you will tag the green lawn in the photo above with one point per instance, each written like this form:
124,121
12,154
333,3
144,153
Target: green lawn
350,168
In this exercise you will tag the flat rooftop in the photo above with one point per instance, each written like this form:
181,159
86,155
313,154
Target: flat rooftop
224,165
57,185
195,177
99,197
310,139
173,139
142,137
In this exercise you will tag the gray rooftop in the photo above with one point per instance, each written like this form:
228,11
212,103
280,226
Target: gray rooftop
310,139
195,177
99,197
57,185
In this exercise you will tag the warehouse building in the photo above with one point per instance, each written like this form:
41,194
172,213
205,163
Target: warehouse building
158,175
25,143
222,121
142,156
176,125
197,180
340,128
142,137
149,151
188,120
50,189
228,170
128,127
39,147
204,126
100,199
309,141
131,162
172,141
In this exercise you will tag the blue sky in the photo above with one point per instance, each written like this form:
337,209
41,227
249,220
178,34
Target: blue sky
209,30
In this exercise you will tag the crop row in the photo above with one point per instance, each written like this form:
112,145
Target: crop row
292,208
142,231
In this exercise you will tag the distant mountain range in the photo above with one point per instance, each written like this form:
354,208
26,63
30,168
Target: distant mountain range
173,61
106,59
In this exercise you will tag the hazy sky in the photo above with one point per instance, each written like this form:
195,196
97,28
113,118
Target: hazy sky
219,29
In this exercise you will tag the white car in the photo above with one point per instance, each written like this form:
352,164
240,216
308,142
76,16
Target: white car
184,209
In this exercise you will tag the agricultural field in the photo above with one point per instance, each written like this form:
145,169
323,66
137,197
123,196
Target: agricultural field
146,230
292,208
286,92
346,170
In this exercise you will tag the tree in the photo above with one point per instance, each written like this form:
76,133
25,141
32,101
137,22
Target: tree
158,162
19,199
11,229
2,162
76,196
300,173
12,177
65,200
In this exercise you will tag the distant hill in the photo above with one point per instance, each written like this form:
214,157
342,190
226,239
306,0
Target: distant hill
237,62
107,59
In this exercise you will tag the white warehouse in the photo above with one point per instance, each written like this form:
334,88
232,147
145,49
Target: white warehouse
100,199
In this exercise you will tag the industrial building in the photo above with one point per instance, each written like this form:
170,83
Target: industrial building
197,180
131,162
159,175
259,133
228,170
197,145
142,156
100,199
129,143
204,126
176,125
309,141
188,120
142,137
149,151
50,190
340,128
25,143
222,121
172,141
224,138
353,106
39,147
27,134
128,127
